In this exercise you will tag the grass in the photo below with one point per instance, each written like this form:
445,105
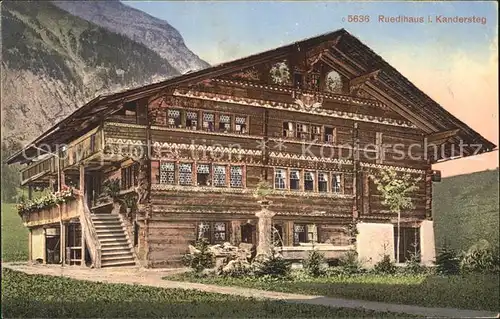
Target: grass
474,291
26,296
14,235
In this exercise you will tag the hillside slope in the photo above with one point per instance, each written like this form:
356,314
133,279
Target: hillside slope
154,33
53,62
466,209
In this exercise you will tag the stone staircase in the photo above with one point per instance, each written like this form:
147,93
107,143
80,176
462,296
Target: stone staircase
116,248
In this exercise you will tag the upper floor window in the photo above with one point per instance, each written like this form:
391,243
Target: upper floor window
330,135
225,123
174,118
219,177
240,124
236,178
315,132
280,178
298,80
322,182
209,122
336,183
294,179
203,175
167,173
308,181
288,129
186,174
129,176
303,131
192,120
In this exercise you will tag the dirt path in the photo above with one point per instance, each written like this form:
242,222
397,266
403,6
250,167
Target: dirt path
152,278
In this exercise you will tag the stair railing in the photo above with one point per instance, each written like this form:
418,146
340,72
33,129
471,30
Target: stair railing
90,233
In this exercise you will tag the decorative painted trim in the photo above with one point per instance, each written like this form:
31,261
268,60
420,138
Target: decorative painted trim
289,107
129,125
122,141
163,128
283,140
200,189
199,147
396,168
289,193
309,158
166,209
331,96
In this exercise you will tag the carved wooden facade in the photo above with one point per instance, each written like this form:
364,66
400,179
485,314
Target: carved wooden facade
312,118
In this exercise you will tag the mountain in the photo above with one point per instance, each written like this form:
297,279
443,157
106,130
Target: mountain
154,33
466,209
53,61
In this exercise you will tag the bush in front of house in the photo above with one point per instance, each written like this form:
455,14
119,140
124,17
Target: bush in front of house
413,266
385,266
447,262
273,265
313,264
349,264
480,257
200,257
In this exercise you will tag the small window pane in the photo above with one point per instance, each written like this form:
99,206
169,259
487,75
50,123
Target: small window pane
336,186
236,176
185,174
219,179
280,179
167,173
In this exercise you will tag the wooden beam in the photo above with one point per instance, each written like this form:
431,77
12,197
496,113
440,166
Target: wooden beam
396,106
444,135
352,71
364,78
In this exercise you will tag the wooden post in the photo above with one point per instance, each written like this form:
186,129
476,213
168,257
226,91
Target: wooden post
82,180
44,241
63,242
30,192
30,245
82,263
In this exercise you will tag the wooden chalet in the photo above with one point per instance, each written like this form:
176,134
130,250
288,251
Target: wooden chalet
311,118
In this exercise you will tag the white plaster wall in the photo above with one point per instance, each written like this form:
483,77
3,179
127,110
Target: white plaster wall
37,243
374,240
427,243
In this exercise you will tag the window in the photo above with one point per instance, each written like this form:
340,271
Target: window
209,122
295,180
316,132
167,173
203,175
323,182
297,80
309,181
129,176
240,124
305,233
313,81
236,178
192,120
174,118
336,183
213,232
225,123
219,179
288,130
303,131
185,174
280,179
330,135
409,243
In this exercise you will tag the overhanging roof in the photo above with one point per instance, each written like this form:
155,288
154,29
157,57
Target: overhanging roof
417,106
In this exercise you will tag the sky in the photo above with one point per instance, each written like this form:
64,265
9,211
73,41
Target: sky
456,64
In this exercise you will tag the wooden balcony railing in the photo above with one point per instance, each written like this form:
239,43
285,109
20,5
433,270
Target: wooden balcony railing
82,150
90,233
38,169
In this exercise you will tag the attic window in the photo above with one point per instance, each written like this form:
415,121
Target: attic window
333,82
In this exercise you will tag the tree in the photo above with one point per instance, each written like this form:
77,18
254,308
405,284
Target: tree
396,194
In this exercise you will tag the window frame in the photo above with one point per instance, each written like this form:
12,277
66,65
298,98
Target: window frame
212,231
284,179
177,120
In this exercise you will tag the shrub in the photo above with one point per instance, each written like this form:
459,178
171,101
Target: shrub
313,264
413,265
200,259
385,266
349,263
447,262
236,268
480,257
273,265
